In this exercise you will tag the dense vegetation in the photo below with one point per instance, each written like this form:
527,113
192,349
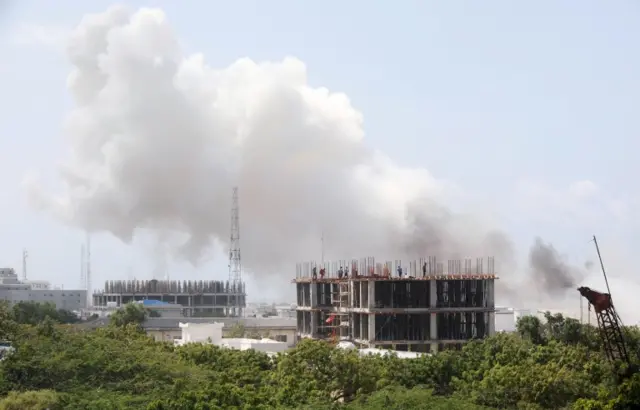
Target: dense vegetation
551,365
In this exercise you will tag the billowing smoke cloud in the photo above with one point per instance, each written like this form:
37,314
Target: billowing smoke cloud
550,269
158,139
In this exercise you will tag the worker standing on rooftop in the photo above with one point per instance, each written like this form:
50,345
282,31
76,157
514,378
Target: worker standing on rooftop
314,272
340,272
399,271
424,269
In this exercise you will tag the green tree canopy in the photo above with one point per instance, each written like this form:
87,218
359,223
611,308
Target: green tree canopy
545,365
131,313
33,313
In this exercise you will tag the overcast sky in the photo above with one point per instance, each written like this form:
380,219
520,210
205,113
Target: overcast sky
526,110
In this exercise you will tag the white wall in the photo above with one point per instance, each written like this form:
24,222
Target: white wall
63,299
168,335
264,345
165,335
38,284
201,332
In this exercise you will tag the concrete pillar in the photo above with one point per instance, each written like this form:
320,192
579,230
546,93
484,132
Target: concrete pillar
433,322
372,293
314,324
492,323
433,293
492,293
433,331
353,288
433,327
492,304
372,326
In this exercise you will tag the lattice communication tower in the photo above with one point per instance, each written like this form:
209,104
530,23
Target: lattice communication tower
235,263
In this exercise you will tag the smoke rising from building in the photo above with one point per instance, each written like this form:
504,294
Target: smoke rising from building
158,139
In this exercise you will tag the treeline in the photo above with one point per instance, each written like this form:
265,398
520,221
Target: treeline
32,313
557,364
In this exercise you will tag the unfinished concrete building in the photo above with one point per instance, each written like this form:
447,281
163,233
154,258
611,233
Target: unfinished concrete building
421,305
198,298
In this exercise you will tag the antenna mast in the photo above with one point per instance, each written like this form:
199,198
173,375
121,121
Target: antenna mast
25,255
88,271
83,277
235,264
322,245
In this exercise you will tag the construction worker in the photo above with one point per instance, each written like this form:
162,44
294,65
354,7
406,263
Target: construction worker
399,271
314,272
340,272
322,273
346,272
424,270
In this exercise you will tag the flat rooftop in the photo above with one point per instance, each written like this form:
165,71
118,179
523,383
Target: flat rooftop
461,276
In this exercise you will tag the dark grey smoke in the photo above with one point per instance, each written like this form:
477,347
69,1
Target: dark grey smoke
427,231
550,270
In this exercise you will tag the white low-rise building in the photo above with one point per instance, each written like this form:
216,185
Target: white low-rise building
344,344
212,333
200,333
262,345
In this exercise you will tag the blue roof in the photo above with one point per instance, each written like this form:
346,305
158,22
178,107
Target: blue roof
151,302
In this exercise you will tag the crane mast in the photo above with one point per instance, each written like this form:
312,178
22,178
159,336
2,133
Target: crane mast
609,323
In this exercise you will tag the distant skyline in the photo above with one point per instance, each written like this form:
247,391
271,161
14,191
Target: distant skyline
524,111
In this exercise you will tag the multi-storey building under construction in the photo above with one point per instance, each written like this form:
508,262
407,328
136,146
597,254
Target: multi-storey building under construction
421,305
198,298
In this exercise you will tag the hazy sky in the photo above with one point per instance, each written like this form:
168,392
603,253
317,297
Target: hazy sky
526,108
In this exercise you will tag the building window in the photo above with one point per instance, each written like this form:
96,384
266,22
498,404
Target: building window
281,338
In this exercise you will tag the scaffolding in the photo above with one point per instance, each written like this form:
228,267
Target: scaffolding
335,322
341,302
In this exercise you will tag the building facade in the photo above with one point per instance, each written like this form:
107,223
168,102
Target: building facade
423,306
198,298
12,291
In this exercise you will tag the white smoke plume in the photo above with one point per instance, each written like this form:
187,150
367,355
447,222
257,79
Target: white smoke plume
158,139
